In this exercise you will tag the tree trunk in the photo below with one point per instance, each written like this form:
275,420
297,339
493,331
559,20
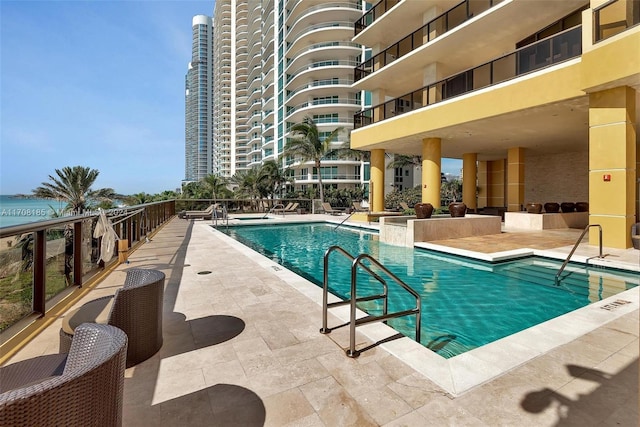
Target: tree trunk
318,163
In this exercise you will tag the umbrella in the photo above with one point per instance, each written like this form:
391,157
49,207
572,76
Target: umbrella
104,229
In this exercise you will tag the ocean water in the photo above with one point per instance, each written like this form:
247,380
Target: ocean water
16,211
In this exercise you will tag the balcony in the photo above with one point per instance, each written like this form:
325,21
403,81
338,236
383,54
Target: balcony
435,28
615,17
545,53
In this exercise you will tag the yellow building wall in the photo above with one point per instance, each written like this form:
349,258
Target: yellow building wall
496,173
612,165
561,84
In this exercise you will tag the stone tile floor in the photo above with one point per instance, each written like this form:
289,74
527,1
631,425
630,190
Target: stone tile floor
242,348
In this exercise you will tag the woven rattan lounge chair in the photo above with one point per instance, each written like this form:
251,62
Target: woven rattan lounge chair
81,388
136,308
330,210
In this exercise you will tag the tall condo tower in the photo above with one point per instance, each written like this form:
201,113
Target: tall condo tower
277,62
200,150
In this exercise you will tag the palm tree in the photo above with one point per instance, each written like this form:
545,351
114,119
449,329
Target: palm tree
307,145
403,161
73,185
248,184
216,183
271,175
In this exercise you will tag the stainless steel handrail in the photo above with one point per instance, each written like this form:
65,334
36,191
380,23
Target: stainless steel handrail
274,207
575,246
352,352
344,220
325,288
357,262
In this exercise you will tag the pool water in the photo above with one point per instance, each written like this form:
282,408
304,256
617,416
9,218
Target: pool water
465,303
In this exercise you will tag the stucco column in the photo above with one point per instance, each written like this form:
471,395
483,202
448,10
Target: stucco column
515,179
431,166
376,190
469,180
612,165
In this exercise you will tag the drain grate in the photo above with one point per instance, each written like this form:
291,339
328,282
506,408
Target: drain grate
204,272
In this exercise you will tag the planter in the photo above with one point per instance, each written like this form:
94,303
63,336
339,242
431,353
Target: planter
568,207
457,210
582,207
635,240
423,210
552,207
534,208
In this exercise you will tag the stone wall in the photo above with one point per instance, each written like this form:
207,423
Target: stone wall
562,177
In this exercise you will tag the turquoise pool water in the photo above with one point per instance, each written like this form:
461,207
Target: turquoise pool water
465,303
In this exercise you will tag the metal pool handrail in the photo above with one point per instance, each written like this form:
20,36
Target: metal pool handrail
357,262
325,288
575,246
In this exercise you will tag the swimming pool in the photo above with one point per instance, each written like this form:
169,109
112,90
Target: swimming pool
465,303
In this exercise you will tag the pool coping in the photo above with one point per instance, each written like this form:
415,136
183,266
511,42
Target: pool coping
462,373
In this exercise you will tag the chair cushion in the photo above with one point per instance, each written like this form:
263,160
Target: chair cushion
96,311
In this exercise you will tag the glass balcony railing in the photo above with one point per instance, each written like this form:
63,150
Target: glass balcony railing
435,28
374,13
44,259
615,17
547,52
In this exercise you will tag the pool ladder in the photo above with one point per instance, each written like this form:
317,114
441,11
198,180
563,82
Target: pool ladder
356,263
575,246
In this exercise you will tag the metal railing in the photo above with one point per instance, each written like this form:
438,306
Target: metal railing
40,261
433,29
356,263
615,17
545,53
575,246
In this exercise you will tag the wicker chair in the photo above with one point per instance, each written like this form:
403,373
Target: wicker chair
83,388
136,308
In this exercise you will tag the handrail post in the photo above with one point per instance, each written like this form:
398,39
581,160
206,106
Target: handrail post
352,314
575,246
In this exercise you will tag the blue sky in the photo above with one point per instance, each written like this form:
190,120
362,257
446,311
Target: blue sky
97,84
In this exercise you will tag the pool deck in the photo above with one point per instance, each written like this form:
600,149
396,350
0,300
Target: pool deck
242,348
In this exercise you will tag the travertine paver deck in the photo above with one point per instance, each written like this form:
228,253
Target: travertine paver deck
242,348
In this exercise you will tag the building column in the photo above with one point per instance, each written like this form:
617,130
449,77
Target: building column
469,180
376,186
483,184
515,179
431,171
612,165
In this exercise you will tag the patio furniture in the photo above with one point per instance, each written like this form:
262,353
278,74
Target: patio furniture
404,206
330,210
203,214
357,206
293,208
282,209
81,388
136,308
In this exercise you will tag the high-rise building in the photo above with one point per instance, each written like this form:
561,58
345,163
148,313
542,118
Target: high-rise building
537,98
200,151
277,62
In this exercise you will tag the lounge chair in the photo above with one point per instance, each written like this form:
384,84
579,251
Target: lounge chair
136,308
292,209
283,209
328,209
357,206
203,214
81,388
